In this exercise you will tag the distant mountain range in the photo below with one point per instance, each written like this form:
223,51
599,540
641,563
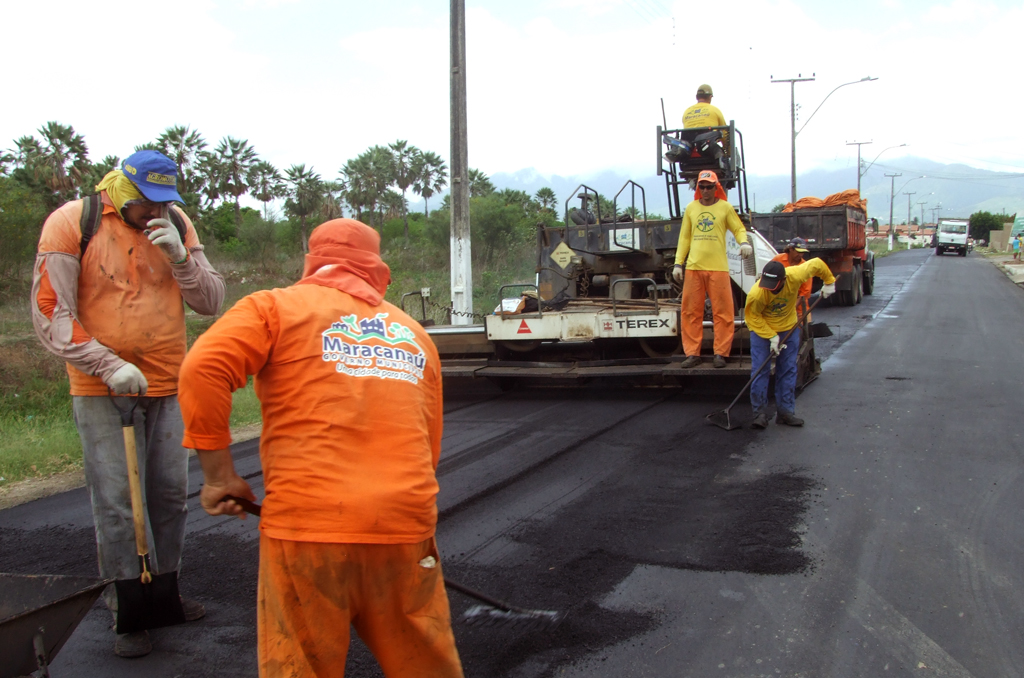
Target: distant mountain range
959,189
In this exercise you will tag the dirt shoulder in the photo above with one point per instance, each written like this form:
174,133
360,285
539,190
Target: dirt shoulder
31,489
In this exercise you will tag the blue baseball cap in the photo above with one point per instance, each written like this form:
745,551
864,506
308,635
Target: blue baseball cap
154,174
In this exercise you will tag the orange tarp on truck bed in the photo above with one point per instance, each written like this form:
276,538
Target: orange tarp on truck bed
849,197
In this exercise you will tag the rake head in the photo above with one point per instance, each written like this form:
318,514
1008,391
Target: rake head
722,419
514,618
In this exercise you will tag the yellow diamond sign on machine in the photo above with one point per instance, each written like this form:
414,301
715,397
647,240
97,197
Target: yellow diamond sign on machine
562,254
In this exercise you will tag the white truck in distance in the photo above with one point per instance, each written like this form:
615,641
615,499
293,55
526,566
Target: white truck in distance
951,234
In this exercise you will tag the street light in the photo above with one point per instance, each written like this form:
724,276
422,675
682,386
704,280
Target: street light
864,173
792,118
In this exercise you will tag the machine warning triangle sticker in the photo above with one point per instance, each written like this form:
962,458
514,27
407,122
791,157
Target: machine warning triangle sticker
524,328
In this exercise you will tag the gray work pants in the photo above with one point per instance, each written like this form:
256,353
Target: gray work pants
163,472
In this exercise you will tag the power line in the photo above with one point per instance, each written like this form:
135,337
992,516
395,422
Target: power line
994,176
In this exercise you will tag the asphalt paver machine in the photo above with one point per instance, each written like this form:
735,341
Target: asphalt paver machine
604,304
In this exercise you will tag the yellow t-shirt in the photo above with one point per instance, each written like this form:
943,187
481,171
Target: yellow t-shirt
769,314
702,235
703,114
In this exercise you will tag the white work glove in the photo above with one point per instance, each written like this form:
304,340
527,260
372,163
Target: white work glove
127,379
677,273
165,236
773,345
746,251
828,290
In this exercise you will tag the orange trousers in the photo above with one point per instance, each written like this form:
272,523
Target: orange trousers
311,594
718,286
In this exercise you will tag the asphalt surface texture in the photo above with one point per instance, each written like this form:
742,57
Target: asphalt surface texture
882,538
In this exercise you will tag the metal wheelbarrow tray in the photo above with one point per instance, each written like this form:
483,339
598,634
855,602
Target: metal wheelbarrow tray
38,613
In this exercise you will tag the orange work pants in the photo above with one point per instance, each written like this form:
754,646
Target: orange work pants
310,594
718,286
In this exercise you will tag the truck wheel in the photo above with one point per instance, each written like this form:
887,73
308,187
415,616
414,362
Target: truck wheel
938,251
963,252
869,281
858,284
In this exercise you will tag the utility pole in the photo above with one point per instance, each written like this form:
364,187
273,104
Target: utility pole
892,195
908,216
792,119
922,204
461,262
858,144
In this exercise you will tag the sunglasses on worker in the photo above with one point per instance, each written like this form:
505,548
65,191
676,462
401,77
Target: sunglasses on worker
706,187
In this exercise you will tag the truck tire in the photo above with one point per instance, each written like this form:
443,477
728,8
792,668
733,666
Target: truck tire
858,284
963,252
938,251
869,281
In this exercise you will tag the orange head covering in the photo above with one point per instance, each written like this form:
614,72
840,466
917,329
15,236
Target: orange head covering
345,254
708,175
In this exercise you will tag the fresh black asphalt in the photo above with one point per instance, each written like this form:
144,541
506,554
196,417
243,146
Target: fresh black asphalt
880,539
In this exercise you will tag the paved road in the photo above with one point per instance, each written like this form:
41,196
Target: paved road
880,539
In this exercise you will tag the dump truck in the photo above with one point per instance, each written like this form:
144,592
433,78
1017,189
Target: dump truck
835,234
951,235
603,303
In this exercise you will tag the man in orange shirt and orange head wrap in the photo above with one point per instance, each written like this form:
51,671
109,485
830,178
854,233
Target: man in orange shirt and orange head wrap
350,389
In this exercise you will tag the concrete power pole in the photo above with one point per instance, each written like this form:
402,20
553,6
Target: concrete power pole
792,119
892,195
908,216
858,144
461,262
922,204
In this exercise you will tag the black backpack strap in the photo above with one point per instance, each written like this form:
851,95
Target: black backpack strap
92,213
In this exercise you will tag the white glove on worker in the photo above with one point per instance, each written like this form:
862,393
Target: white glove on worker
828,290
773,345
677,273
127,379
746,251
165,236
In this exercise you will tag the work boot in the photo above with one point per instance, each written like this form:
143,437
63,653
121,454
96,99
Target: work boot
788,419
133,644
193,609
691,361
760,421
719,361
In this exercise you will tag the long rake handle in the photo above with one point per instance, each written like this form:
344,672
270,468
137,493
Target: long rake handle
767,360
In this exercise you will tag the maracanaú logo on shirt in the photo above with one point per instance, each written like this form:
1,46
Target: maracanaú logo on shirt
777,307
705,222
371,347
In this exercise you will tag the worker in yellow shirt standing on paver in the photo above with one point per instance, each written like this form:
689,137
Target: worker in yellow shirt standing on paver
770,312
704,114
702,249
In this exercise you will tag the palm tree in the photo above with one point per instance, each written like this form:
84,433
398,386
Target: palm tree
479,184
236,157
185,147
406,164
369,178
63,160
209,172
546,198
304,197
266,183
332,200
431,177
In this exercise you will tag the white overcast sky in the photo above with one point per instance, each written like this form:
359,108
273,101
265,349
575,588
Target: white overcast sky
567,87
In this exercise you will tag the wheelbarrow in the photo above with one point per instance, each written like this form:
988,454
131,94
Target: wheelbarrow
38,613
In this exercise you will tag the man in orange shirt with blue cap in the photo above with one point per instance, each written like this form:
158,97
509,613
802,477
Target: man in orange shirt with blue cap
350,388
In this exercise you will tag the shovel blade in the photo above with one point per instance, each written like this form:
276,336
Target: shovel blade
148,606
516,619
722,419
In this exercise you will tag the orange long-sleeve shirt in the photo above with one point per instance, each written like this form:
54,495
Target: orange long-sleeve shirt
352,412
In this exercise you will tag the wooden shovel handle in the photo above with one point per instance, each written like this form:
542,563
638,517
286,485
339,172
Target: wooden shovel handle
135,488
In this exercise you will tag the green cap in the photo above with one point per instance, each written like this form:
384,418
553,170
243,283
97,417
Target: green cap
705,89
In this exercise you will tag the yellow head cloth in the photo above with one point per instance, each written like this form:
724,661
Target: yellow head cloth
119,187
